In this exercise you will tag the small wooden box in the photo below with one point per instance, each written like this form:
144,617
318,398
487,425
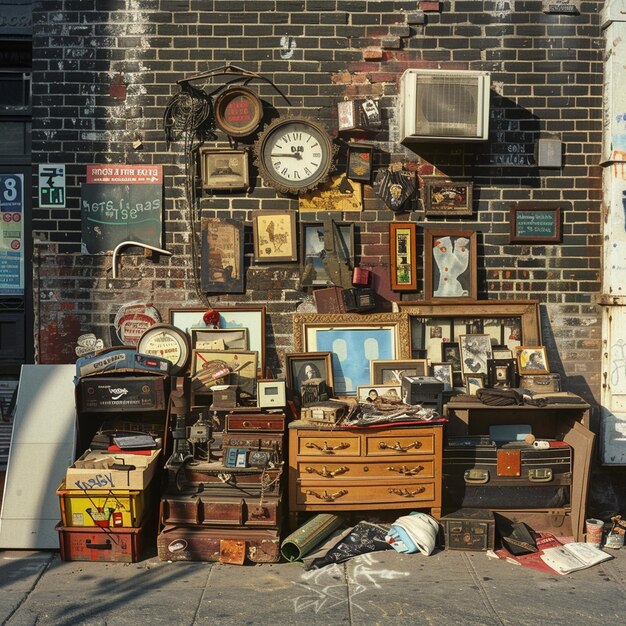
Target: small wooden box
469,529
541,383
253,422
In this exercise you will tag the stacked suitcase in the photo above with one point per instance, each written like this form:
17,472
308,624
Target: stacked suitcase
228,506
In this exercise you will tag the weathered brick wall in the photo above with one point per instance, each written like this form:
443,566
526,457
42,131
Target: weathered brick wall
546,78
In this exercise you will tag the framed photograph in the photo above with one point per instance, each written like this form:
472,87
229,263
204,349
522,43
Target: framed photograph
360,158
302,366
535,224
474,382
347,115
274,236
312,254
382,393
532,360
403,247
222,269
443,373
242,363
451,353
252,318
450,271
224,169
443,196
501,352
391,372
219,338
354,340
501,373
475,351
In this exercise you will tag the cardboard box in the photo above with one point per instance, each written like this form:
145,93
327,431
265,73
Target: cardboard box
97,469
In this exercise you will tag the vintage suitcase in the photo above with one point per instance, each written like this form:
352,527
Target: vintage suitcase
106,394
482,475
253,481
469,529
210,510
541,383
197,543
253,422
252,441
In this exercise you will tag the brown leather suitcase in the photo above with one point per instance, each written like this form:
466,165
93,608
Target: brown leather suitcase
198,543
254,422
249,480
252,441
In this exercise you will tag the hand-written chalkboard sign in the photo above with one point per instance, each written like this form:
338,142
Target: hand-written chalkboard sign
535,224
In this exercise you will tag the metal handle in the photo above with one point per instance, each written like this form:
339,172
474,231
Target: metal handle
540,475
326,448
405,493
476,476
326,473
397,447
327,497
405,470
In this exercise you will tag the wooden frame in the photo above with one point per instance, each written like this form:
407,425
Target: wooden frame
352,338
443,196
532,360
535,224
274,236
475,351
223,169
233,338
222,267
402,254
252,318
297,362
501,373
360,161
391,372
450,271
245,378
364,392
474,382
443,372
238,111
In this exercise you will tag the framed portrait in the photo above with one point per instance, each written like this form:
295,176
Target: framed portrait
474,382
378,393
224,169
535,224
312,254
222,269
303,366
451,353
274,236
403,248
443,196
252,318
450,272
219,338
242,363
475,351
354,340
532,360
392,372
360,158
443,373
501,373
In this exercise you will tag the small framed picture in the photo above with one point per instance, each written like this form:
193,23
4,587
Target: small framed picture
303,366
219,338
224,169
535,224
242,364
402,240
443,196
532,360
474,382
501,373
360,158
274,234
378,393
347,115
501,352
443,373
392,372
475,351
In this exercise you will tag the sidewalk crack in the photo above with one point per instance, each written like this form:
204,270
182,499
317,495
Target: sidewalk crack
482,591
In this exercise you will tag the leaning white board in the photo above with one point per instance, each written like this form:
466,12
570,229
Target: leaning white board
42,448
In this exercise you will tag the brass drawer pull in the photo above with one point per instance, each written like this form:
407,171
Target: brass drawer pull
327,497
405,493
326,473
405,470
326,448
398,448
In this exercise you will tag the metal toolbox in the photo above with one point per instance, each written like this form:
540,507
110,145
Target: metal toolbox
469,529
483,475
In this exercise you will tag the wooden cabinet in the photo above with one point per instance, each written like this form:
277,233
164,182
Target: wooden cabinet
364,468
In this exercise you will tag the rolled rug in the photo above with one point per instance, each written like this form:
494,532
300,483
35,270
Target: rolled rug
414,532
305,538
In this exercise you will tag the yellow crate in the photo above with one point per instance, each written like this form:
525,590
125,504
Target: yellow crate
107,508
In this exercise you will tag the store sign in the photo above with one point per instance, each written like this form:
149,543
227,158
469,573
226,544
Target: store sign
51,186
11,234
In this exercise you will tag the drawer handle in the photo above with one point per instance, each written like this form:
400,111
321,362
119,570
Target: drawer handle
326,473
327,497
398,448
405,470
246,424
326,448
405,493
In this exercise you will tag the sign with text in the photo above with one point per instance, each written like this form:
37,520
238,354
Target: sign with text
51,186
121,203
11,234
535,224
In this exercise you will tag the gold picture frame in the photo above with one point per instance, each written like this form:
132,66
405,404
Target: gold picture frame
532,360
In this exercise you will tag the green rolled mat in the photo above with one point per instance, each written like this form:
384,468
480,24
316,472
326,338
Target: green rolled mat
303,540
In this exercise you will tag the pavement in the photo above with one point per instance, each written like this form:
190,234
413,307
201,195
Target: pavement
382,588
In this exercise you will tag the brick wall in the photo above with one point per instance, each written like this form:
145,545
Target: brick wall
546,78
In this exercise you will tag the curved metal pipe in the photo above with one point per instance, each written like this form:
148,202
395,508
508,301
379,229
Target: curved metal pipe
132,243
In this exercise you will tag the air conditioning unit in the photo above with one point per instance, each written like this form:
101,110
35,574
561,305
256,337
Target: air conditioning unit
444,105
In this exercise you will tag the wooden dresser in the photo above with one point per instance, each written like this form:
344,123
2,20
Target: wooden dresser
364,468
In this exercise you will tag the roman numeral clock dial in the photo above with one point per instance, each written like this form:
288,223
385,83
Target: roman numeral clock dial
294,154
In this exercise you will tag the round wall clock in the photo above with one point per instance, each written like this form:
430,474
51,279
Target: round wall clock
294,154
167,342
238,111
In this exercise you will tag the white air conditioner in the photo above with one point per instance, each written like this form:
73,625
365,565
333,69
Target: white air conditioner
444,105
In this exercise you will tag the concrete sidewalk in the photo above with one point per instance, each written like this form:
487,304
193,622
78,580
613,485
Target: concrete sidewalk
382,588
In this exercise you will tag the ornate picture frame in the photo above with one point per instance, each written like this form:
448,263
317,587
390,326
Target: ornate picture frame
446,197
274,236
402,254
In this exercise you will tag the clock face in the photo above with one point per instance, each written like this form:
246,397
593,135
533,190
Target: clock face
167,342
294,155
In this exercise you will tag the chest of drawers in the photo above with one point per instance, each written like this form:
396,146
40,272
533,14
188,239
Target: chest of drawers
364,469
